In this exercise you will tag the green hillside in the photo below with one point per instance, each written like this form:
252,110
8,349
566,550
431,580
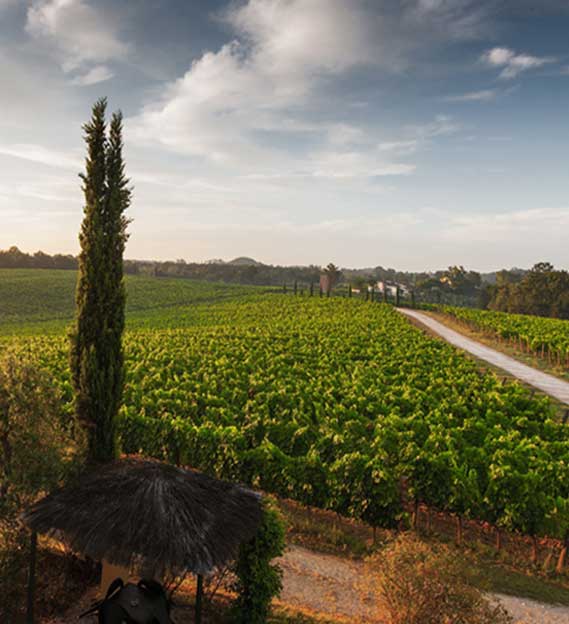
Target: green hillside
43,300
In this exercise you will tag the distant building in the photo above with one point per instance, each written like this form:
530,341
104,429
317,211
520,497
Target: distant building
391,288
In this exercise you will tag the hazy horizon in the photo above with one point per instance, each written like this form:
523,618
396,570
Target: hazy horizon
412,135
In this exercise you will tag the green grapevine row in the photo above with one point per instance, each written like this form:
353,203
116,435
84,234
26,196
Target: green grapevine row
336,403
545,337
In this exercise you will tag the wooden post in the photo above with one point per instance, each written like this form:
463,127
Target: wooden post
534,548
199,595
311,289
498,539
563,554
32,579
415,515
459,530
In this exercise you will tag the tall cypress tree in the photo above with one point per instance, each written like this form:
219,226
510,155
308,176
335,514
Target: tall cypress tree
96,353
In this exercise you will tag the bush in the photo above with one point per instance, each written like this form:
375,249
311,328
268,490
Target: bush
421,583
38,449
37,452
259,581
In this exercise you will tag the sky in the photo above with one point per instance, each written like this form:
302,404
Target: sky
412,134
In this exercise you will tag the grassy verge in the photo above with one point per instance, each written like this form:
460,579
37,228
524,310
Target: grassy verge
325,532
502,580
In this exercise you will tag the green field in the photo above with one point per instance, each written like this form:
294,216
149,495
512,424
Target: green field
328,401
40,300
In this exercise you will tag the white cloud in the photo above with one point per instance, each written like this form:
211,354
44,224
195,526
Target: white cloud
99,73
484,95
441,126
346,165
77,32
229,103
526,224
400,147
40,154
300,37
513,64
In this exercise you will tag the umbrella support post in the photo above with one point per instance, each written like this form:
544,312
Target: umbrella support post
199,595
32,579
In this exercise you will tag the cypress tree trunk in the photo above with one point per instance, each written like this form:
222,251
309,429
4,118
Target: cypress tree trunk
96,354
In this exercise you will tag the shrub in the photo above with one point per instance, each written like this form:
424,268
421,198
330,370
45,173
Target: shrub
258,580
422,583
37,452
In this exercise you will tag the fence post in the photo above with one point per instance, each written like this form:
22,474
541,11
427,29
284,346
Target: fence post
199,594
32,579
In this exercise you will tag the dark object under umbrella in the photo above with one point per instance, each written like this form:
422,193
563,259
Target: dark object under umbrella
152,515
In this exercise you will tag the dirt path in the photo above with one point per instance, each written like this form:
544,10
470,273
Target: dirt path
556,388
326,584
335,586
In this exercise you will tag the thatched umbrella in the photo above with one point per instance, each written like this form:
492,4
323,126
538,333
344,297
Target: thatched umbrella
150,515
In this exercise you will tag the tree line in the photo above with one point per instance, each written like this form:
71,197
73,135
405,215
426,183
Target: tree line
543,291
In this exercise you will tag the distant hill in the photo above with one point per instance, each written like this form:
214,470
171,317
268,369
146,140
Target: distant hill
244,261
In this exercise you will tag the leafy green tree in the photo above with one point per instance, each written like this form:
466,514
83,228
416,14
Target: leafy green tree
96,339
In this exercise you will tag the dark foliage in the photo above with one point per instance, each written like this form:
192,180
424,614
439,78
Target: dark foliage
13,258
37,452
543,291
96,354
154,516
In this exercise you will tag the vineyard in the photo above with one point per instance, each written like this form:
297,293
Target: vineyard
29,297
339,404
543,337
